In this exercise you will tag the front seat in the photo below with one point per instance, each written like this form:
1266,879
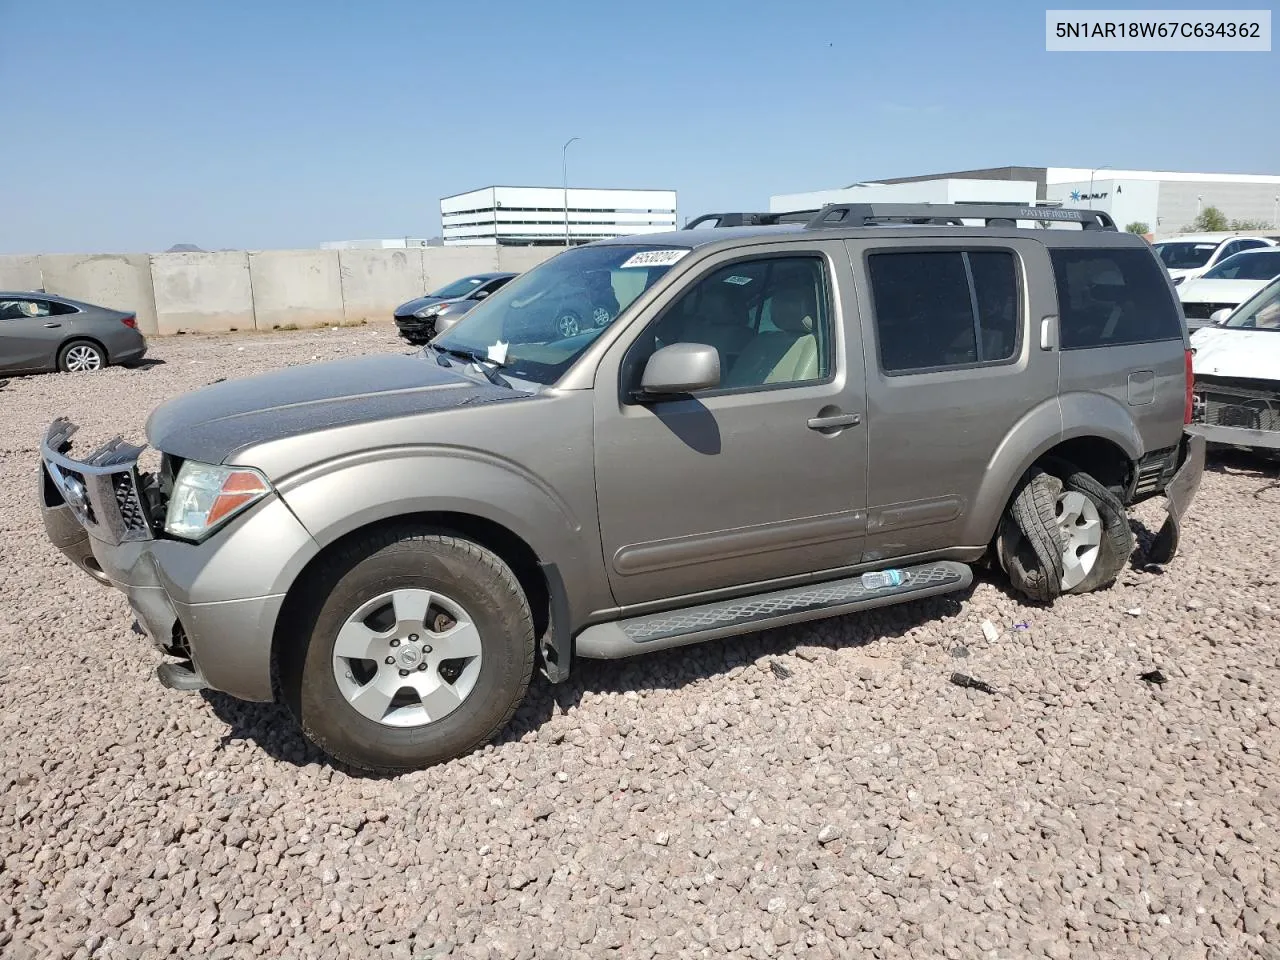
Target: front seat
786,355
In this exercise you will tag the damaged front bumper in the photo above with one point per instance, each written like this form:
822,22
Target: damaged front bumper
212,605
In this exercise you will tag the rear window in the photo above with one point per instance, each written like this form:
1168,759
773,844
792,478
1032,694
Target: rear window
1111,297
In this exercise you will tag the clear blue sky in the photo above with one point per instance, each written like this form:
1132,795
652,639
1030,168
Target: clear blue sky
133,125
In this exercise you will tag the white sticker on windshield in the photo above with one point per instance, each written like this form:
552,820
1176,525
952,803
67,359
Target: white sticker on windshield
498,352
653,258
740,281
1206,246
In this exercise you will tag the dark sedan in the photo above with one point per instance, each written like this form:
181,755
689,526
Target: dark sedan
41,332
416,320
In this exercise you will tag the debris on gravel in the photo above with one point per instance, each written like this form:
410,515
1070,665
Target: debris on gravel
684,804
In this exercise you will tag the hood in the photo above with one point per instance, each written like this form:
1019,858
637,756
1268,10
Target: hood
1184,272
1237,352
412,306
213,423
1200,290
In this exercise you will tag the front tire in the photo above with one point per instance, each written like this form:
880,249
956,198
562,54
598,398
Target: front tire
412,647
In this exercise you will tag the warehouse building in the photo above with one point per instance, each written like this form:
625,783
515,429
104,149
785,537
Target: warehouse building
553,216
1166,201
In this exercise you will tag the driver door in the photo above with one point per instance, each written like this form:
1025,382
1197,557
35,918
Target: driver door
730,488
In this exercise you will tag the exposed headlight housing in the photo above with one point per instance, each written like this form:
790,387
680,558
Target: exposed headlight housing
205,497
431,310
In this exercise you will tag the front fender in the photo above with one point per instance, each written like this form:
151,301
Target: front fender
1042,428
339,497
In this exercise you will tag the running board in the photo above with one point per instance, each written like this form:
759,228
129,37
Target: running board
675,628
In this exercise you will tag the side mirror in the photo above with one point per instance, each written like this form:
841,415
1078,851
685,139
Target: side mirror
681,368
479,294
1219,317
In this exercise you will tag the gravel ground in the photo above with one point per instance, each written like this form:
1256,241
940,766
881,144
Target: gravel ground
816,791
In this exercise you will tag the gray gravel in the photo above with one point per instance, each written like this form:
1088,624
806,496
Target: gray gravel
695,803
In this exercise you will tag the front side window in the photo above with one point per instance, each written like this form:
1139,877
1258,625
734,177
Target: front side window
1253,265
944,308
18,309
1108,297
537,325
769,319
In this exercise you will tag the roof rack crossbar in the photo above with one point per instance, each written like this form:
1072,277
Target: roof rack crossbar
745,218
953,214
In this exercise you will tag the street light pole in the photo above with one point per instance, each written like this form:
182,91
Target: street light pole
1091,173
564,170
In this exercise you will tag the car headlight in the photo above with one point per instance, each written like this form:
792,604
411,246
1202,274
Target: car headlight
205,497
431,310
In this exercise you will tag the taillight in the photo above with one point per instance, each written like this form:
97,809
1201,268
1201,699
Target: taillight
1189,408
130,322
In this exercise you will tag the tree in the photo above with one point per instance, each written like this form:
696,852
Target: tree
1250,225
1138,227
1210,220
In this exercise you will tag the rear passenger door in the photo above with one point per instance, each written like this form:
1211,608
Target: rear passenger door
954,360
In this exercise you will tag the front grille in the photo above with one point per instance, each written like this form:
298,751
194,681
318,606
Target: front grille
127,501
1237,405
1203,311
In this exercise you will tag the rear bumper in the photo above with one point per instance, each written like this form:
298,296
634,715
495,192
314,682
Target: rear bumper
1238,436
213,603
1179,492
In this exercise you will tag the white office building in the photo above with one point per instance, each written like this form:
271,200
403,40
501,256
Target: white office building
536,216
1166,201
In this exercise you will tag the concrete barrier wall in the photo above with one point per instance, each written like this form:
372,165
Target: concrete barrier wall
121,281
259,289
375,282
295,287
20,273
203,292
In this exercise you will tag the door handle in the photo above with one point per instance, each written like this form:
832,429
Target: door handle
838,420
51,325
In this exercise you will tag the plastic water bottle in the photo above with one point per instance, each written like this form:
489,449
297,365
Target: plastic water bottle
877,579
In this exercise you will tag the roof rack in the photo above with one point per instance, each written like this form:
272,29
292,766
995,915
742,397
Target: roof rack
741,218
952,214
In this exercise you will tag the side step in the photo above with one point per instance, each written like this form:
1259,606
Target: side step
675,628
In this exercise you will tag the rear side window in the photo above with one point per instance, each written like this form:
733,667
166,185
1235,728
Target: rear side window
1111,297
944,308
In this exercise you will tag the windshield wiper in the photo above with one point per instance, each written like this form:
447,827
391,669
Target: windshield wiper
481,364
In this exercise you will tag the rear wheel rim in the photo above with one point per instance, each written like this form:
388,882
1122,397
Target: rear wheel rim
82,358
1081,527
407,658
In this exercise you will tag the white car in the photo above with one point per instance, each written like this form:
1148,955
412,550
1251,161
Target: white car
1191,254
1229,284
1236,363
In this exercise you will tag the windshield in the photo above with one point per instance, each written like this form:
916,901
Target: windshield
1252,265
459,288
1184,255
541,322
1262,312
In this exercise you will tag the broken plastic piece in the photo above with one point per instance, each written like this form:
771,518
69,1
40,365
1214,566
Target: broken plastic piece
990,631
971,683
1154,676
779,670
1022,626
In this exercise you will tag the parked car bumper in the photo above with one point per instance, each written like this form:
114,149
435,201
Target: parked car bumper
213,603
414,329
1179,492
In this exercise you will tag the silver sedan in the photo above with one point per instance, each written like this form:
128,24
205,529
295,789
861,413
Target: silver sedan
40,332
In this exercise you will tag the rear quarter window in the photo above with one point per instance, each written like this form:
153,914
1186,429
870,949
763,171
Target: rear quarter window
1108,297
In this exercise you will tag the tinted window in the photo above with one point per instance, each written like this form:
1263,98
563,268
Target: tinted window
1185,255
1108,297
1253,265
944,308
768,319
